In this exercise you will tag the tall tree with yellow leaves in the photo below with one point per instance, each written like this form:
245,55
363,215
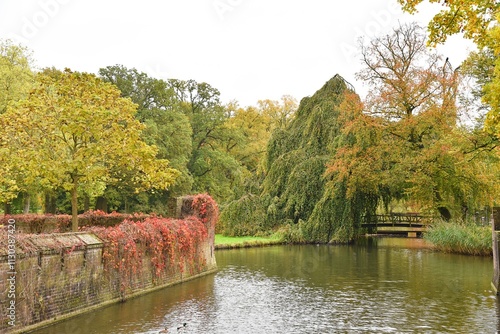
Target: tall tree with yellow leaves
74,131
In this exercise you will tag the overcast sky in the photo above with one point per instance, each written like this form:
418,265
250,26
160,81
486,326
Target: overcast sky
248,49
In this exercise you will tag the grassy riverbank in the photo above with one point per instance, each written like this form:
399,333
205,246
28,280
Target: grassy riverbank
224,242
448,237
460,237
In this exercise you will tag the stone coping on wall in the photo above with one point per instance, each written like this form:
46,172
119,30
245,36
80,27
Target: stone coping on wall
50,243
53,243
66,316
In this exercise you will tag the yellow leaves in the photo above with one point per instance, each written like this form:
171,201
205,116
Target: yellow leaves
16,77
279,113
75,126
472,18
492,88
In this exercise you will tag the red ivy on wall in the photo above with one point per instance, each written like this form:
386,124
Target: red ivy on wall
49,223
169,244
205,207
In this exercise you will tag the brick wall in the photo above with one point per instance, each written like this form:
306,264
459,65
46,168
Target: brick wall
55,282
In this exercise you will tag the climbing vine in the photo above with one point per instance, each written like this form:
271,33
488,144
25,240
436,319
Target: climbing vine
169,245
49,223
206,209
136,243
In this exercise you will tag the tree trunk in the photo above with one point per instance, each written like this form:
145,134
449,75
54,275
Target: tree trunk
74,207
101,204
7,208
465,212
86,203
50,203
27,202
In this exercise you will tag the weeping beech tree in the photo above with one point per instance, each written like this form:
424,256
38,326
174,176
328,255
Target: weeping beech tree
293,190
295,182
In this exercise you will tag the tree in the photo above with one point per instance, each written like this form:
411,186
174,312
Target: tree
167,127
472,18
189,124
148,93
16,76
213,169
281,114
75,131
295,159
490,88
404,142
245,138
478,21
248,131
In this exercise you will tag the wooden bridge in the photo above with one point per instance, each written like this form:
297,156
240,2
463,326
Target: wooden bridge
412,224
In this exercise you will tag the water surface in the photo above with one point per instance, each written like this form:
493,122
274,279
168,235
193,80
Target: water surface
375,286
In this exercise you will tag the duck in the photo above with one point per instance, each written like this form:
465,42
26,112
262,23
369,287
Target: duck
173,329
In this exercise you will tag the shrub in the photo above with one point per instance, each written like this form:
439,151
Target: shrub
49,223
291,233
243,217
460,237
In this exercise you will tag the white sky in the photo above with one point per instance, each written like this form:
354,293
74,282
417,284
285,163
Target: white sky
248,49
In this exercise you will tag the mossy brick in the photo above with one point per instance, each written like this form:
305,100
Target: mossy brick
65,272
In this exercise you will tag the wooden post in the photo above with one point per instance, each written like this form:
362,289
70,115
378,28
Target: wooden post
495,230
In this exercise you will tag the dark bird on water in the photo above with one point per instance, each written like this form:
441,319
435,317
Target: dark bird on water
173,329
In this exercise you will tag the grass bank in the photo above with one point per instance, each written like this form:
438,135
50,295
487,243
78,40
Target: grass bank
224,242
460,237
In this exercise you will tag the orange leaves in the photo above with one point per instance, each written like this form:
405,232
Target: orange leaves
405,77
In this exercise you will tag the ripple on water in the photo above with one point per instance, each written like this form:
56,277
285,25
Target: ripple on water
348,290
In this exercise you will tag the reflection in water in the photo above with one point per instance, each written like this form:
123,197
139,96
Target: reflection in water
370,287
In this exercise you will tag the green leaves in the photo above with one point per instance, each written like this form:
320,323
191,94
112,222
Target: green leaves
296,159
75,130
491,88
16,76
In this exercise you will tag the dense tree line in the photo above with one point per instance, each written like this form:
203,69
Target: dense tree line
405,147
121,140
424,139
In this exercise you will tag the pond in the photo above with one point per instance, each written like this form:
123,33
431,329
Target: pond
385,285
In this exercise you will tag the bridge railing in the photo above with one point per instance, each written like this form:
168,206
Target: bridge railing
409,219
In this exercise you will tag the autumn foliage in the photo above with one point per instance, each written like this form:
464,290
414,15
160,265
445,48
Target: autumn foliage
172,245
165,247
167,241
